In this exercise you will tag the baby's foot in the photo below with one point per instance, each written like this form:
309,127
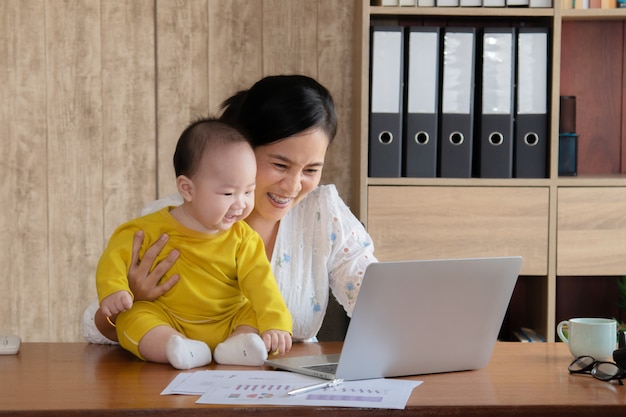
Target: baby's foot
244,349
187,353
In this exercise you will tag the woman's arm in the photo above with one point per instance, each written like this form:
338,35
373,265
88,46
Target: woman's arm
353,251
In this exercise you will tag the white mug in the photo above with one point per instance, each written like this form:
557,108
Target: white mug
595,337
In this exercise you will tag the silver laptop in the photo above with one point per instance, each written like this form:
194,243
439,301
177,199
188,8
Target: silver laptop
419,317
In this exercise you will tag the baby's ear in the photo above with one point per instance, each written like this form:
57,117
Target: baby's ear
185,187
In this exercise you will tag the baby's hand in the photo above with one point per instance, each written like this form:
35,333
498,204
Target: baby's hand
116,303
277,341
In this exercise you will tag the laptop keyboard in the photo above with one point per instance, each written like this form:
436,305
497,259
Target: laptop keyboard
329,368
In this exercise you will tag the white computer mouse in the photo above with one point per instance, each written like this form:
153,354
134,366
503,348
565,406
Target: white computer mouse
9,344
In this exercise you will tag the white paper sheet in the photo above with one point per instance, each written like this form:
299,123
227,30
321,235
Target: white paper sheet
271,387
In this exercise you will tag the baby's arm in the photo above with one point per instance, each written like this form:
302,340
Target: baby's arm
116,303
277,341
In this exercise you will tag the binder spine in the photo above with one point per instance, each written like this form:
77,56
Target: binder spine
497,101
457,103
385,129
422,50
531,119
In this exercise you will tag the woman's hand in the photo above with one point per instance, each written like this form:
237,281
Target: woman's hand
143,282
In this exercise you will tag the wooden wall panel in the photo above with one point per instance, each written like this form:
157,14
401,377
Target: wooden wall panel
334,50
94,94
182,77
74,88
23,176
128,112
290,37
235,48
8,31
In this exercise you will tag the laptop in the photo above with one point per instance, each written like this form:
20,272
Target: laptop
419,317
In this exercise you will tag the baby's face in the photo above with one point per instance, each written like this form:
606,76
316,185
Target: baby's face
224,187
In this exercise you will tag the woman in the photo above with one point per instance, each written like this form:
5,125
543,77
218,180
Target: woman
311,237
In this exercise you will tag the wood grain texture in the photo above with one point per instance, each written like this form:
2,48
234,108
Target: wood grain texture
23,169
335,64
77,379
128,110
235,48
591,237
457,222
182,78
290,37
74,118
93,97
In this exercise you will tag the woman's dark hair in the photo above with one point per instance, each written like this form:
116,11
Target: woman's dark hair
280,106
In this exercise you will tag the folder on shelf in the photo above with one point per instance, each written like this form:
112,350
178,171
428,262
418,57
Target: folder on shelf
531,118
497,97
421,101
385,3
385,129
447,3
457,103
425,3
494,3
540,3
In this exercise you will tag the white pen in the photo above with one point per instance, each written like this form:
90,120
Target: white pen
328,384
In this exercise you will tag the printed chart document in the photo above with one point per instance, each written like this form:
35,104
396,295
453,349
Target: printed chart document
271,388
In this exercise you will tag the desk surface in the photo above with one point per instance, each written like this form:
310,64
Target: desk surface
78,379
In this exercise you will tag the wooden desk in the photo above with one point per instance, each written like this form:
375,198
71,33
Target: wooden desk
76,379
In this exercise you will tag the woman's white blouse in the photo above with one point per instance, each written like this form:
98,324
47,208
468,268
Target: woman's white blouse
320,245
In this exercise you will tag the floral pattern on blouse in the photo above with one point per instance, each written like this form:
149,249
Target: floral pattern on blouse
321,248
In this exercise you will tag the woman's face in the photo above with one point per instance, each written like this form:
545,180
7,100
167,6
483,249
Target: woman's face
287,171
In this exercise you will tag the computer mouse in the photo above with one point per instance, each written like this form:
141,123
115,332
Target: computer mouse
9,344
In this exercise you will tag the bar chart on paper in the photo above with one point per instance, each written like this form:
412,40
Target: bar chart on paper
341,394
375,393
272,388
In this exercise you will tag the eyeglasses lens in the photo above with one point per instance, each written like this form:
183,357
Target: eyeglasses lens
605,371
582,364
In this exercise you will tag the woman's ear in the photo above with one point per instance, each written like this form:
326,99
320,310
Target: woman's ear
185,187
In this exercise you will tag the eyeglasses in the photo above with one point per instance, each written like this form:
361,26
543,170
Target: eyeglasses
604,371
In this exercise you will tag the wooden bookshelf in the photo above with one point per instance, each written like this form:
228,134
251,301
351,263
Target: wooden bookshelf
563,226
